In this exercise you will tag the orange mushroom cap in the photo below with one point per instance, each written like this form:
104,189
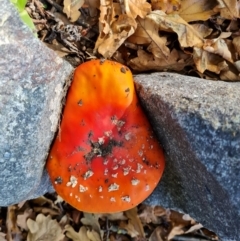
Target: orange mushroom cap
105,158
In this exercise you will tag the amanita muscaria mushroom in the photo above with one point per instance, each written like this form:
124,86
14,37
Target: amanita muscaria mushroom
105,158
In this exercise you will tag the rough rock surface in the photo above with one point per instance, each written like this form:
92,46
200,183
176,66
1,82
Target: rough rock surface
32,80
198,123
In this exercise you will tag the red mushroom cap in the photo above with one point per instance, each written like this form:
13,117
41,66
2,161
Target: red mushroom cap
105,158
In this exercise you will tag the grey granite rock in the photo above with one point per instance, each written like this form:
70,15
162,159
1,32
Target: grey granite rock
32,80
198,123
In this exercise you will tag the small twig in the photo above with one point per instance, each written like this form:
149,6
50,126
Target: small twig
57,6
39,21
39,7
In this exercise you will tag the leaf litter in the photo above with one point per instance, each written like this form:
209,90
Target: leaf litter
191,37
142,223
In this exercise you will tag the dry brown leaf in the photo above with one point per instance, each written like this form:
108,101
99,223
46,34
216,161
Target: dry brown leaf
93,6
47,205
236,44
46,211
91,220
71,8
106,17
121,29
218,46
208,61
159,211
147,215
44,228
157,234
196,10
113,31
237,65
176,230
136,8
40,201
229,9
147,32
72,234
93,235
136,222
167,6
146,61
83,234
187,35
194,228
129,227
93,3
22,218
2,236
202,29
187,217
231,74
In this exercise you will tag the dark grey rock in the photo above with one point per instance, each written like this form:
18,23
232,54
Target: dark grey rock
32,80
198,123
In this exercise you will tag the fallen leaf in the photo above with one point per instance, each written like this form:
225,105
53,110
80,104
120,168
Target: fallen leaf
64,221
187,217
72,234
236,44
119,30
208,61
146,61
91,219
2,236
230,74
187,35
148,215
93,235
134,219
202,29
237,65
129,227
42,202
136,8
194,228
71,8
197,10
22,218
157,234
160,211
229,8
93,6
167,6
218,46
46,211
44,228
176,230
147,32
